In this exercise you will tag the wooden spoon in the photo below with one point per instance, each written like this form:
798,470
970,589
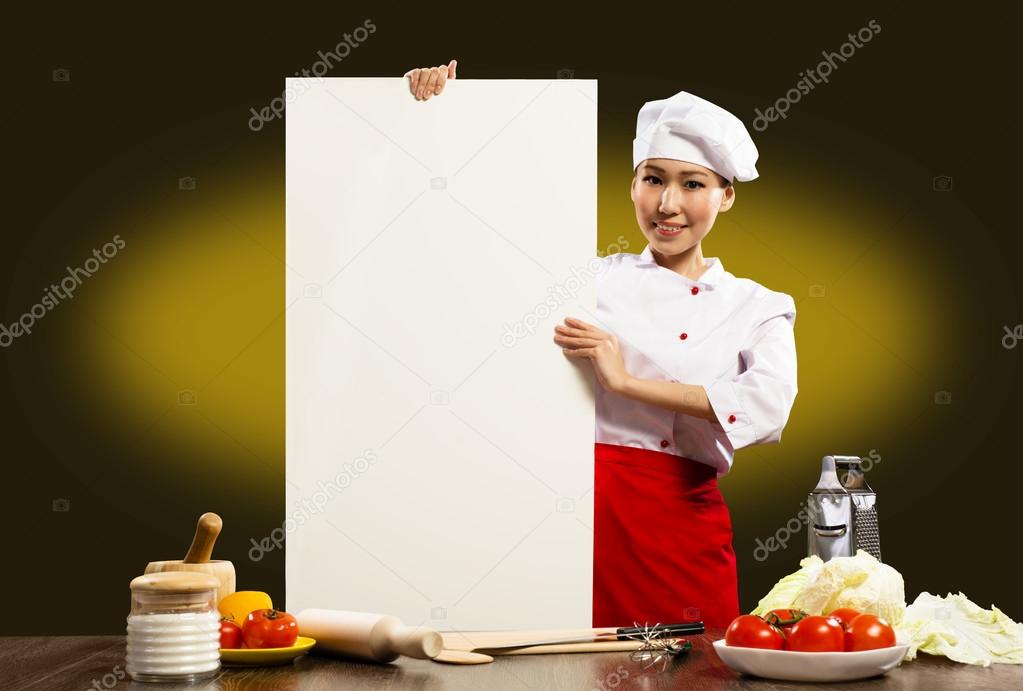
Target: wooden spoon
462,657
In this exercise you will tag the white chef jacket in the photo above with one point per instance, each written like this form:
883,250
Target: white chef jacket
730,335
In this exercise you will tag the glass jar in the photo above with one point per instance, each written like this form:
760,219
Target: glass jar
174,627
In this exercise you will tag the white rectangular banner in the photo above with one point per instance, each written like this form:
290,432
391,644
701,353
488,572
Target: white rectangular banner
439,444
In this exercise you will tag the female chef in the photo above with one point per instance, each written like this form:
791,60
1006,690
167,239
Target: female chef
693,364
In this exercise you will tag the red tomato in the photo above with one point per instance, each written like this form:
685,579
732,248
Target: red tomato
844,615
784,618
270,628
230,634
868,632
816,634
749,631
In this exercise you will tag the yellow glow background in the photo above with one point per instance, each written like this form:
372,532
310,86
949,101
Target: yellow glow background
198,309
197,306
197,314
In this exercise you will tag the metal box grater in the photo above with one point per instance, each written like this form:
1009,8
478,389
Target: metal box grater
842,512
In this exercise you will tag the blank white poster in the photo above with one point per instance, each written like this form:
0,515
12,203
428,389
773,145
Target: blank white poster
439,444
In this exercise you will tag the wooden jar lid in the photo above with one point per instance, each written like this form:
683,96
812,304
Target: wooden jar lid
175,582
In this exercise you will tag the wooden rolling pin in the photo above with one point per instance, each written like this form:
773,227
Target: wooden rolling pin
198,557
365,636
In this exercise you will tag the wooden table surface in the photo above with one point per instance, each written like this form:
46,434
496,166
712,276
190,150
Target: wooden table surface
97,662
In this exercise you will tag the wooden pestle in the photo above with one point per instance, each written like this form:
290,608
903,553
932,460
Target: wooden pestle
198,557
206,533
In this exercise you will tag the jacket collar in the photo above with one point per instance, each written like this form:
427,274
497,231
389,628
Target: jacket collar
710,277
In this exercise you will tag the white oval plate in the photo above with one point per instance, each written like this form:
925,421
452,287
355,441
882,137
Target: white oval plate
796,666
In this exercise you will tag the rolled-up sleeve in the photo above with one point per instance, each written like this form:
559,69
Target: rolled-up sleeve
753,407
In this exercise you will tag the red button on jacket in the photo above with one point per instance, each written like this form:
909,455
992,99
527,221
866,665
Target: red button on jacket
683,336
695,290
664,443
731,418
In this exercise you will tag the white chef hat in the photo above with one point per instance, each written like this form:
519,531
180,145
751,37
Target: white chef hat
688,128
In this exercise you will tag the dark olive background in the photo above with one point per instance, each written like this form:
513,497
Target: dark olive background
919,282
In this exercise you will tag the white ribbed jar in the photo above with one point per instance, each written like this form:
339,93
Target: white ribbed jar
174,627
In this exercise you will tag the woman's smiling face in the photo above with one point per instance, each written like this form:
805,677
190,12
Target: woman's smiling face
677,202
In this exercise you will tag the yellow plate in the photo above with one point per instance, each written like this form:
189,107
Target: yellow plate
266,656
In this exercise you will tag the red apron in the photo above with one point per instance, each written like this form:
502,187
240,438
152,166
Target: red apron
662,541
